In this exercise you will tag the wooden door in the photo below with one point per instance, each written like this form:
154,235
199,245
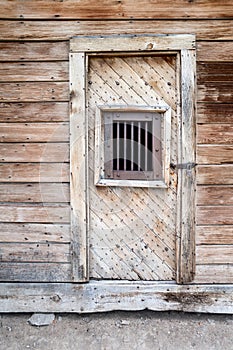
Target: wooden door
132,230
123,231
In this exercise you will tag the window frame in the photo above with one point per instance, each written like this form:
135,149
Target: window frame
165,115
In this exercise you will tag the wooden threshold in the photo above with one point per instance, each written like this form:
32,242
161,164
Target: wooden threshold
102,296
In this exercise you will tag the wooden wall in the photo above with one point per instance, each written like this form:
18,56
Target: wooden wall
34,96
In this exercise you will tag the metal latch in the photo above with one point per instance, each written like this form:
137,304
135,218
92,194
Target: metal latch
187,166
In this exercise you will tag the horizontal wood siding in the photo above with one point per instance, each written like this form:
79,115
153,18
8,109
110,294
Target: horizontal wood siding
34,115
111,9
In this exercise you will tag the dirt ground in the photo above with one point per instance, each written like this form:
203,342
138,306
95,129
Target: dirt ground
119,331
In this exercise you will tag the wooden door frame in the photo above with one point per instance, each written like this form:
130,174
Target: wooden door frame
80,48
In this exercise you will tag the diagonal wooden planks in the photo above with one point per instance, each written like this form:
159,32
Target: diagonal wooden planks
132,231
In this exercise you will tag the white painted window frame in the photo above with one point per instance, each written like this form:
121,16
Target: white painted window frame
165,115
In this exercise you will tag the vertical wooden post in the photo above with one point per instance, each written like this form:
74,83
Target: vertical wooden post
186,171
78,168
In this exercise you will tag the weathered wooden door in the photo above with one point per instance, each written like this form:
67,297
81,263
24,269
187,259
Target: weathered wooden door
134,227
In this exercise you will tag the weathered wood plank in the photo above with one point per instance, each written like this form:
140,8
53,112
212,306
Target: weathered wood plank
35,193
132,43
34,112
59,51
214,235
31,252
215,134
79,168
34,172
186,184
34,132
215,175
214,72
214,274
215,195
215,92
35,214
100,296
35,272
34,233
34,152
33,71
110,9
34,92
215,113
217,51
214,154
34,51
53,30
214,254
215,215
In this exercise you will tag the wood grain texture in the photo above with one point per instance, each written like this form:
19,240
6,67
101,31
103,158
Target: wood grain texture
214,215
110,9
32,112
39,252
34,172
214,254
35,213
218,234
214,274
186,184
24,51
220,51
101,296
214,154
220,92
214,72
79,200
214,113
34,272
34,152
130,235
34,51
214,195
215,134
33,71
220,30
34,233
34,92
132,43
215,174
34,132
34,193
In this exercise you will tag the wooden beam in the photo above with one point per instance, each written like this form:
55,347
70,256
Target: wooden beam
34,92
34,132
132,43
35,272
35,213
110,9
33,71
186,184
215,174
221,30
34,233
102,296
32,112
35,192
34,51
34,172
78,168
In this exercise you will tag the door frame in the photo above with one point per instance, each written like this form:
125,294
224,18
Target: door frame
80,49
